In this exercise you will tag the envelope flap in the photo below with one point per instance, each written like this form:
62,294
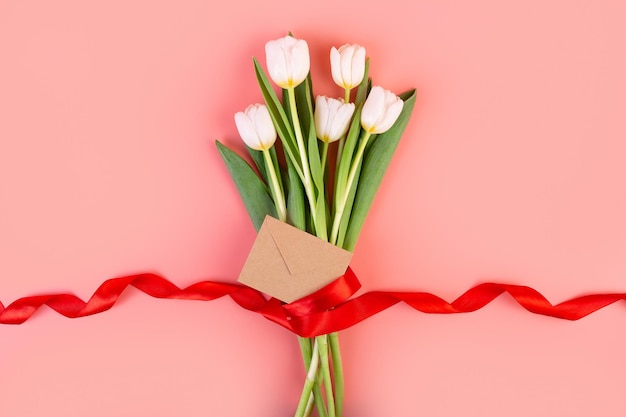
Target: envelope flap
303,252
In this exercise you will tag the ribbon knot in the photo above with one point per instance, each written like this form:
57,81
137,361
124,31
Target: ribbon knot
305,316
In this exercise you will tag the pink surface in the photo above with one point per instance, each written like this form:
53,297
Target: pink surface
511,170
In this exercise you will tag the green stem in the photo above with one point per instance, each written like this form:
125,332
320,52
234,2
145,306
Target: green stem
309,406
309,382
303,155
325,365
338,161
324,155
305,348
277,193
335,352
319,400
339,152
341,204
346,99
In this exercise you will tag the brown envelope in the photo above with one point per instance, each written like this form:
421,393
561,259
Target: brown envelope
288,263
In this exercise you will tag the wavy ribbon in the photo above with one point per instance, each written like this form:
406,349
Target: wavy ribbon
328,310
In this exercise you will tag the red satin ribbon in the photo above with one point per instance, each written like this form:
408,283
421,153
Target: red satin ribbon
328,310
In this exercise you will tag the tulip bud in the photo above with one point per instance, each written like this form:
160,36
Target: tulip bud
288,61
255,127
380,111
332,118
347,65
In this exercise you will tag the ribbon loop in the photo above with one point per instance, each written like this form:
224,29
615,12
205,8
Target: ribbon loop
327,297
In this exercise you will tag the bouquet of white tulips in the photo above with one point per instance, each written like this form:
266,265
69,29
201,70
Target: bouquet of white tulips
332,156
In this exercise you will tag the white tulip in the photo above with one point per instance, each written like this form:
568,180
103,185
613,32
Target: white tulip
380,111
347,65
332,118
288,61
255,127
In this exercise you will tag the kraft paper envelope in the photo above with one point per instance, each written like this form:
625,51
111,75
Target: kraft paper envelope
288,263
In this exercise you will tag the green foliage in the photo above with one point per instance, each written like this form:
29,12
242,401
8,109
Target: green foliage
296,210
369,171
365,86
375,162
252,190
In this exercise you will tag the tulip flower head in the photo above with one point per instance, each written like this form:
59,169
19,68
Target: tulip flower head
380,111
332,118
255,127
288,61
347,65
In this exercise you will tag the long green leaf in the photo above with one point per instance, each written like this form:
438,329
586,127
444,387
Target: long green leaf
375,163
259,162
347,211
315,164
278,115
321,229
365,86
304,98
341,176
304,102
252,190
277,168
296,211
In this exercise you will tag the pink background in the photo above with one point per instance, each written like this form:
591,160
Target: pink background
511,170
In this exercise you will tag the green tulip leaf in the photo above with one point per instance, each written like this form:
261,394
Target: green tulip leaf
304,99
296,211
304,102
277,168
347,211
365,86
259,162
347,155
305,111
315,164
252,190
321,229
375,162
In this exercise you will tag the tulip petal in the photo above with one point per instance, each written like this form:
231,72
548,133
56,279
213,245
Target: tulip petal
332,118
288,61
329,120
300,62
373,108
335,66
321,118
380,111
255,127
247,131
333,107
391,115
264,127
277,63
341,121
358,66
346,66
